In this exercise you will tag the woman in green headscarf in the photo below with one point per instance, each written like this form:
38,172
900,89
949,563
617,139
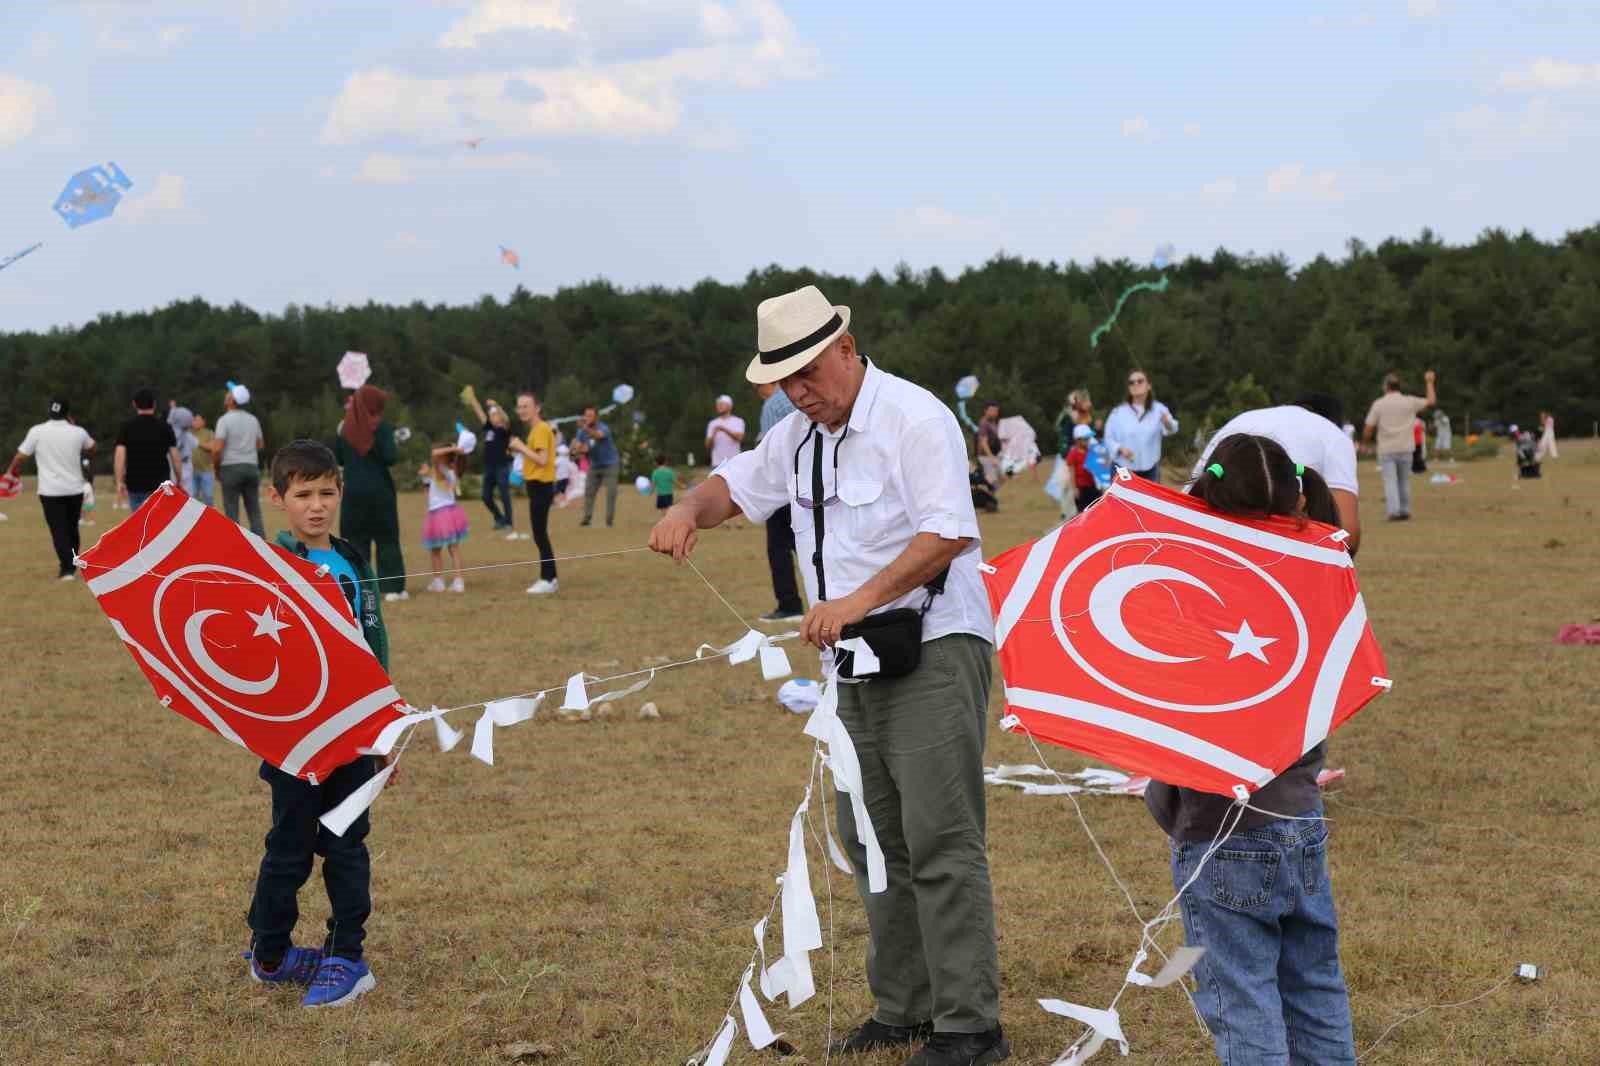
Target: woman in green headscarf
369,516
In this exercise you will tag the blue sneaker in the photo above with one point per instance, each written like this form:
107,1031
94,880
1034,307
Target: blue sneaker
337,982
298,967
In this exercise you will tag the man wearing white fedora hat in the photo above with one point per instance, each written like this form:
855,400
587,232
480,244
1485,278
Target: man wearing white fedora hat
874,469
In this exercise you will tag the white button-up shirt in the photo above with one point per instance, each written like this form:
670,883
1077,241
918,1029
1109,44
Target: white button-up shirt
1140,435
901,470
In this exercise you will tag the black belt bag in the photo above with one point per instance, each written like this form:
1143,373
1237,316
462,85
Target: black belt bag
895,637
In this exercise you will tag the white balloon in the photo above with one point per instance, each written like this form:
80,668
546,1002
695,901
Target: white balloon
642,483
967,387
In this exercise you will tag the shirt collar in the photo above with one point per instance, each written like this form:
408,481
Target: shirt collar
861,413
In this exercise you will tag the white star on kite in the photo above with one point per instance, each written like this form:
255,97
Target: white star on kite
267,624
1246,643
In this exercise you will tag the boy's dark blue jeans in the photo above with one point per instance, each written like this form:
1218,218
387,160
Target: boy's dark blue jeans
295,837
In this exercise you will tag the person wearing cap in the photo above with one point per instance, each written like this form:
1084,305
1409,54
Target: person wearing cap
237,444
875,472
57,447
147,452
1391,418
724,433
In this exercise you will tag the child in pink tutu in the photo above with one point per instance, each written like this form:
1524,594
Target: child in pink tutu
446,525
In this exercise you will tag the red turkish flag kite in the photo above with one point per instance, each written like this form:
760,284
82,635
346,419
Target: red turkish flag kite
1168,640
240,636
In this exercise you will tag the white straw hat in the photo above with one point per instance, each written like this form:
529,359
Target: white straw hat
792,330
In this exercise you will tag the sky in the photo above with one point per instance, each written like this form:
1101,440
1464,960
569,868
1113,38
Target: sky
296,151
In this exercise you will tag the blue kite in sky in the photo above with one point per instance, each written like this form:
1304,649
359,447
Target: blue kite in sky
91,195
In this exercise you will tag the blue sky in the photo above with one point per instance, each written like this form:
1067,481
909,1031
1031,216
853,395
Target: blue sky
281,153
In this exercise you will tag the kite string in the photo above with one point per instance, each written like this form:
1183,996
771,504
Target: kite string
1433,1006
123,567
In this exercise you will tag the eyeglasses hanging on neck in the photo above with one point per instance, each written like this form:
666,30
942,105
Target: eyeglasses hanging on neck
809,502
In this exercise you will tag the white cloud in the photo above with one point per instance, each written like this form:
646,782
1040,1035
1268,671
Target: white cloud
1138,128
1485,132
22,106
385,169
744,44
1290,181
406,241
489,17
121,35
43,45
1219,193
166,201
1422,9
1191,129
1551,74
928,220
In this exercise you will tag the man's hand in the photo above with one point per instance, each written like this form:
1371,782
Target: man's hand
388,761
1430,377
675,534
826,620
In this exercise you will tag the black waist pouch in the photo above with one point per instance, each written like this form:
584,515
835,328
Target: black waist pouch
895,637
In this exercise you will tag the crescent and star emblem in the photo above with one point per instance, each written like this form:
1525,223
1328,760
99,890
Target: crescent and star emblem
267,625
1105,611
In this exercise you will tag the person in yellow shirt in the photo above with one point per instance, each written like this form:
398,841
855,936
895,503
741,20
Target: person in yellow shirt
539,475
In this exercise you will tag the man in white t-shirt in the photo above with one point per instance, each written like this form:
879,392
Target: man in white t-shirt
725,433
1309,430
57,448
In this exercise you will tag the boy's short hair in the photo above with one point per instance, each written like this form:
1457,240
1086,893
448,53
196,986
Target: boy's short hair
661,460
144,399
304,460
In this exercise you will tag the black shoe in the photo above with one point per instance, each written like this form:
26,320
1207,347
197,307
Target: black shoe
781,615
962,1049
584,522
872,1035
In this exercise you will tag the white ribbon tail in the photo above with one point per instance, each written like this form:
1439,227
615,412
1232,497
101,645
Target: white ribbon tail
723,1043
864,661
339,819
577,698
774,666
755,1022
1179,963
390,736
622,692
447,736
1105,1025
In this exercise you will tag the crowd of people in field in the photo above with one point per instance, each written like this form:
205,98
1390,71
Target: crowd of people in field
868,481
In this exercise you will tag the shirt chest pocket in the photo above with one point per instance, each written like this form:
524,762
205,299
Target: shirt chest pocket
870,510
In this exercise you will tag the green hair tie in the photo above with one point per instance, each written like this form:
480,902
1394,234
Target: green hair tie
1215,470
1299,470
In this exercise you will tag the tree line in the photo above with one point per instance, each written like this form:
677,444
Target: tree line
1510,322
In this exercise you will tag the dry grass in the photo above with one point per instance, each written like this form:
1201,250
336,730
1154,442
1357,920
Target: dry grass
595,889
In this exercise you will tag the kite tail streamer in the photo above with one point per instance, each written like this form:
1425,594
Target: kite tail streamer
1105,327
966,419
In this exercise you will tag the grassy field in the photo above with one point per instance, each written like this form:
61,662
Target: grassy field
594,890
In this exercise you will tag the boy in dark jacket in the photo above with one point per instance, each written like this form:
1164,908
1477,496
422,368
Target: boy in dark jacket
306,487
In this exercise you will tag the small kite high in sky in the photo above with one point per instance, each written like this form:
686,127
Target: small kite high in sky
91,195
508,257
1168,640
473,142
12,258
